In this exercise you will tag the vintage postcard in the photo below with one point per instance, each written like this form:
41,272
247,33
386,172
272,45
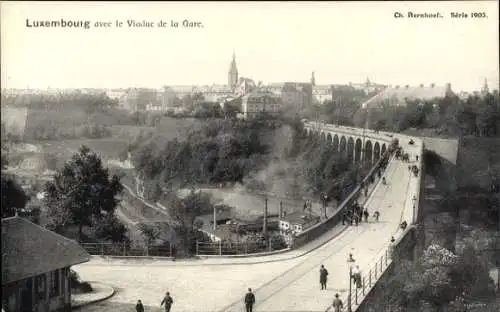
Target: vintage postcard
250,156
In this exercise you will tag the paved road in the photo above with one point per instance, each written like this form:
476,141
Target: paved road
287,282
299,289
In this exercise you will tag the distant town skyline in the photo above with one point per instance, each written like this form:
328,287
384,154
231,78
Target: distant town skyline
341,42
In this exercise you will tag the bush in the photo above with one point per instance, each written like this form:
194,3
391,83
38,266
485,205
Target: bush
77,285
85,287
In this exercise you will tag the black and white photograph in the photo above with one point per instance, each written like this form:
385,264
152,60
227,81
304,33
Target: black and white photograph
250,156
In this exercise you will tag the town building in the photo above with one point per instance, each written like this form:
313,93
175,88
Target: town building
36,267
260,101
116,94
368,87
400,95
139,99
321,94
297,222
296,94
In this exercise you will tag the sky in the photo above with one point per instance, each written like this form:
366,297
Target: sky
341,42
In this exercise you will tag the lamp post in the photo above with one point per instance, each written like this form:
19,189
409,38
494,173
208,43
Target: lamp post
324,199
414,200
350,260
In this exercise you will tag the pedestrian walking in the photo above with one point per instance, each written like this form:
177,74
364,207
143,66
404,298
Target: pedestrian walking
139,307
376,215
366,214
168,301
344,217
416,157
337,304
323,276
249,300
356,276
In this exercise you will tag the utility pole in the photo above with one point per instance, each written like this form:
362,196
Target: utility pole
264,228
215,218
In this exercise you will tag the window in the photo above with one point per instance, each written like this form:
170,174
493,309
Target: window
54,283
40,287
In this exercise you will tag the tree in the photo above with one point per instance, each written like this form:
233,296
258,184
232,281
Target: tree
110,228
439,279
83,189
149,232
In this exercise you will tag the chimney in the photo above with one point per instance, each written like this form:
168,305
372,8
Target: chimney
264,228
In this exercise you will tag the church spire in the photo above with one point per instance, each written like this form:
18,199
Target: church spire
485,86
232,80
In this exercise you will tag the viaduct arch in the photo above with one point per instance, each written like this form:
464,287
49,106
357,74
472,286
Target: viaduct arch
359,147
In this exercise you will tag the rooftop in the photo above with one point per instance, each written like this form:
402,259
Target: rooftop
400,93
29,250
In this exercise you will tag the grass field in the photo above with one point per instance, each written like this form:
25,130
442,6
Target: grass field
111,147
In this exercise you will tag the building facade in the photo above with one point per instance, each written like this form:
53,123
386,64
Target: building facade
260,101
36,267
400,95
297,222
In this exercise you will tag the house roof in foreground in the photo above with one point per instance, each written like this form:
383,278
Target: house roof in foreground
29,250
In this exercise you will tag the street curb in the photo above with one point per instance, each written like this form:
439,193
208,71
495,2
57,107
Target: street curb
257,254
132,257
111,293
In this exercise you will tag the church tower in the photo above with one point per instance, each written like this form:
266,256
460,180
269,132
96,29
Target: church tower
232,79
485,88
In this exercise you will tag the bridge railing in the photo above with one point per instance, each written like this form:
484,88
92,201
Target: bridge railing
363,284
367,133
397,250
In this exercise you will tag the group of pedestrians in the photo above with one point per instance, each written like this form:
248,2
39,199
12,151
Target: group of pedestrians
355,214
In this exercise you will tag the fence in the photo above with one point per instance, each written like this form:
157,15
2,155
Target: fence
234,248
360,289
124,250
